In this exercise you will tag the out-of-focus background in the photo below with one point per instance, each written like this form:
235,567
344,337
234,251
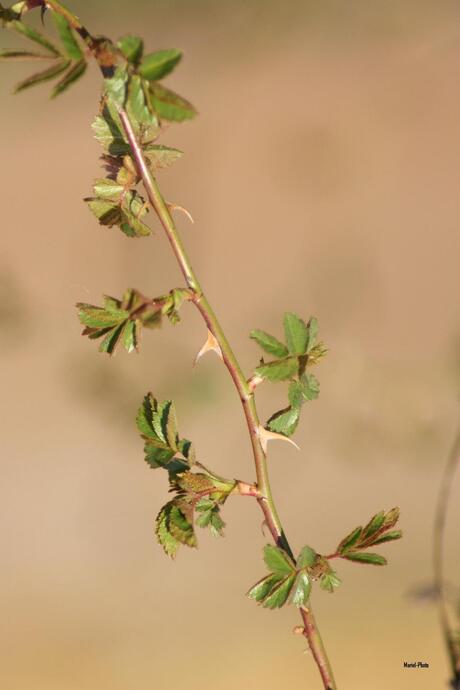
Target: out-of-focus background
323,177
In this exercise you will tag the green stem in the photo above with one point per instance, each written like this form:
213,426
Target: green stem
265,499
438,558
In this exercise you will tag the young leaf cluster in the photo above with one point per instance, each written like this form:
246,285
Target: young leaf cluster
121,321
198,495
290,581
378,530
67,61
301,350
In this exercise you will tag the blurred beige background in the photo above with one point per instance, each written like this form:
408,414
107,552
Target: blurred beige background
323,177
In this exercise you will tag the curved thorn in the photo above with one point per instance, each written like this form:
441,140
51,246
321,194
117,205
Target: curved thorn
176,207
265,436
211,345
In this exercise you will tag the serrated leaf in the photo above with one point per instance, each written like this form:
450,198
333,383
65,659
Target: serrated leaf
296,398
169,105
73,75
301,590
217,524
263,587
111,340
330,581
285,421
115,87
180,528
67,37
296,334
108,132
312,338
307,558
132,48
107,212
388,536
204,519
365,557
160,157
137,104
373,526
169,543
163,458
277,560
170,426
391,518
34,36
155,66
350,540
205,503
97,317
281,370
130,336
269,343
309,386
107,189
279,594
41,77
132,226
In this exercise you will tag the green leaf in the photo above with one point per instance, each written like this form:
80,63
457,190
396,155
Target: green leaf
157,65
281,370
73,75
169,105
217,524
34,36
277,560
296,398
307,558
41,77
23,55
169,543
115,87
302,589
285,421
137,104
330,581
312,339
130,336
309,386
97,317
133,210
132,48
105,188
111,340
389,536
391,518
180,528
160,157
269,343
108,132
374,524
107,212
296,334
365,557
350,540
158,426
163,457
279,594
263,588
68,39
